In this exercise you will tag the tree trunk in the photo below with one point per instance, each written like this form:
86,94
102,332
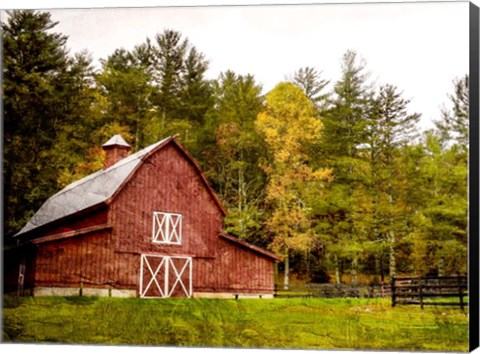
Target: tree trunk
391,233
337,270
286,274
242,199
392,263
441,265
377,268
354,269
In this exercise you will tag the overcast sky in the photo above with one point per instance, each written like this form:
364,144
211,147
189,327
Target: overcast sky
419,47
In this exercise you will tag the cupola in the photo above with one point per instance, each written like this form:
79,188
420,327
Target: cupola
115,149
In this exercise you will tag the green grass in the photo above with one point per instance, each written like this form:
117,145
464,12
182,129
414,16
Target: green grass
347,324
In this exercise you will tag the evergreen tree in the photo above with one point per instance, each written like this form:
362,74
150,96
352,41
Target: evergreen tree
196,93
81,121
341,148
157,89
308,79
182,96
126,97
35,63
453,125
440,237
390,128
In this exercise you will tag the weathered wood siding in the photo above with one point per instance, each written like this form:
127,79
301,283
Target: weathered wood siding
243,270
166,182
204,274
86,260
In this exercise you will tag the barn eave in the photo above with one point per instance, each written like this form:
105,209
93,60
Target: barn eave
35,233
250,247
73,233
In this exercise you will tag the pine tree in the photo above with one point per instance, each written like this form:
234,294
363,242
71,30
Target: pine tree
441,224
35,63
309,80
81,121
341,148
453,125
390,128
126,97
183,94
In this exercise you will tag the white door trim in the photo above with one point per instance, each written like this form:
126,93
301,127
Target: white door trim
166,263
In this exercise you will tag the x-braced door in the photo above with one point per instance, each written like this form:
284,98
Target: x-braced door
165,276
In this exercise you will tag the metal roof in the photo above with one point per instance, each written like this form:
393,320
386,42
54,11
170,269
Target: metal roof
89,191
116,140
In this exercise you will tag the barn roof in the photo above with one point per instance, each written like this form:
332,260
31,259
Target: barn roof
100,187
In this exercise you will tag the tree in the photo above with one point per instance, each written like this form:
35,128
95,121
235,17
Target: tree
233,149
453,125
80,122
341,147
308,79
440,224
182,92
390,128
35,63
440,237
126,95
287,123
157,89
196,93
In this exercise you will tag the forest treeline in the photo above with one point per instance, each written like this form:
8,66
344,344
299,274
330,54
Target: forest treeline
334,177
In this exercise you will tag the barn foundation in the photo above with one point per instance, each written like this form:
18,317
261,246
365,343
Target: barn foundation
94,292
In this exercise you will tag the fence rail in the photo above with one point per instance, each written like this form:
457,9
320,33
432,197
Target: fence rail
328,290
433,291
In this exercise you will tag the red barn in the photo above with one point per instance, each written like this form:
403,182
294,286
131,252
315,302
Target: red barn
147,225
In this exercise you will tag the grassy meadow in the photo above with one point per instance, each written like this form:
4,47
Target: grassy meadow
348,324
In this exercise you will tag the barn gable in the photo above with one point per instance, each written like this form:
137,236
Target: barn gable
99,188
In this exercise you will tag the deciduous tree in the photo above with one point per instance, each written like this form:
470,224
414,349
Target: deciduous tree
287,124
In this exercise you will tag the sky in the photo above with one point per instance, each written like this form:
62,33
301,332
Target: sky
419,47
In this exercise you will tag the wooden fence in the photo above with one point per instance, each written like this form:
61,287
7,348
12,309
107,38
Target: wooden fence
328,290
429,291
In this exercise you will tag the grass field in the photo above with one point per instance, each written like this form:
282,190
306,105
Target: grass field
348,324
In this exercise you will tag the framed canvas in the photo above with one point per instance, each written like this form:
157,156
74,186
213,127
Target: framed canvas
242,177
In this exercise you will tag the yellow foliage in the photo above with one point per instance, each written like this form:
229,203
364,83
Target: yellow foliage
287,124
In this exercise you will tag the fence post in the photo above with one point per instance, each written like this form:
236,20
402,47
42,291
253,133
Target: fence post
420,290
392,282
460,292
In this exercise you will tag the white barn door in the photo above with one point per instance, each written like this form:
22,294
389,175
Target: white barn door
165,276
